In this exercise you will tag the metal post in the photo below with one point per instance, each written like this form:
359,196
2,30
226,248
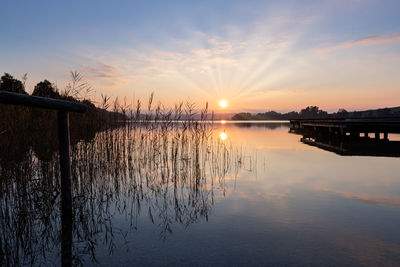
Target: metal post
66,197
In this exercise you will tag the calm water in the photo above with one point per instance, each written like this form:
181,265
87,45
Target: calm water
250,195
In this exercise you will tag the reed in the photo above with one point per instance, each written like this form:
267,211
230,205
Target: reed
163,163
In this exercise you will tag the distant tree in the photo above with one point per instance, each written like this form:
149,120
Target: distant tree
291,115
342,113
313,112
8,83
46,89
384,112
269,115
242,116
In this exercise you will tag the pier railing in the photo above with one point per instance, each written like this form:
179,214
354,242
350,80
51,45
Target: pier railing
62,107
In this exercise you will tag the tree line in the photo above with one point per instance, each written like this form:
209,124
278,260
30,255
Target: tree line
314,112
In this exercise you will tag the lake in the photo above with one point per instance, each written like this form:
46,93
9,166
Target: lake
232,194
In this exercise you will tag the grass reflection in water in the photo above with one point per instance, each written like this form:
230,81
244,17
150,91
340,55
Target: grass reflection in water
169,172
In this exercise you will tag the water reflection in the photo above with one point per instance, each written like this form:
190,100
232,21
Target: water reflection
162,196
171,175
223,136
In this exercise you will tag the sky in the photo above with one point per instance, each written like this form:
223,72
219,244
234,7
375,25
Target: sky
257,55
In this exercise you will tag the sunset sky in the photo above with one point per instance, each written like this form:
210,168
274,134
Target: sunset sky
258,55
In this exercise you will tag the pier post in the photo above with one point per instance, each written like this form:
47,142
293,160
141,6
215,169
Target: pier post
354,135
66,196
377,136
385,136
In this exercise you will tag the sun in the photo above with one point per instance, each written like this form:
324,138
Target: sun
223,103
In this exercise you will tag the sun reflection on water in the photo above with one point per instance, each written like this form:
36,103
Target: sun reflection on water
223,136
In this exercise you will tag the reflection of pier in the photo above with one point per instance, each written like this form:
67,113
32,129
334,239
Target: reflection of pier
367,137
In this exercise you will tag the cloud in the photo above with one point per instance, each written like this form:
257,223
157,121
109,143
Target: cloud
209,63
369,40
222,50
112,76
100,70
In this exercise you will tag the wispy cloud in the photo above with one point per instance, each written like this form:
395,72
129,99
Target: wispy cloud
112,76
101,71
211,65
368,40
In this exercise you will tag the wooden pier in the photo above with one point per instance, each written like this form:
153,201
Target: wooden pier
348,127
350,137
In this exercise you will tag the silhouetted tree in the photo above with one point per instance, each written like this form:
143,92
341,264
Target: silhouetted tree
269,115
291,115
342,113
242,116
313,112
46,89
8,83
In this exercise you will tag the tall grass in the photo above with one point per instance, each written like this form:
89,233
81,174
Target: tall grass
166,164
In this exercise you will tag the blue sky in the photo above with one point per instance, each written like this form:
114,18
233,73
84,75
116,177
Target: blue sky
258,55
